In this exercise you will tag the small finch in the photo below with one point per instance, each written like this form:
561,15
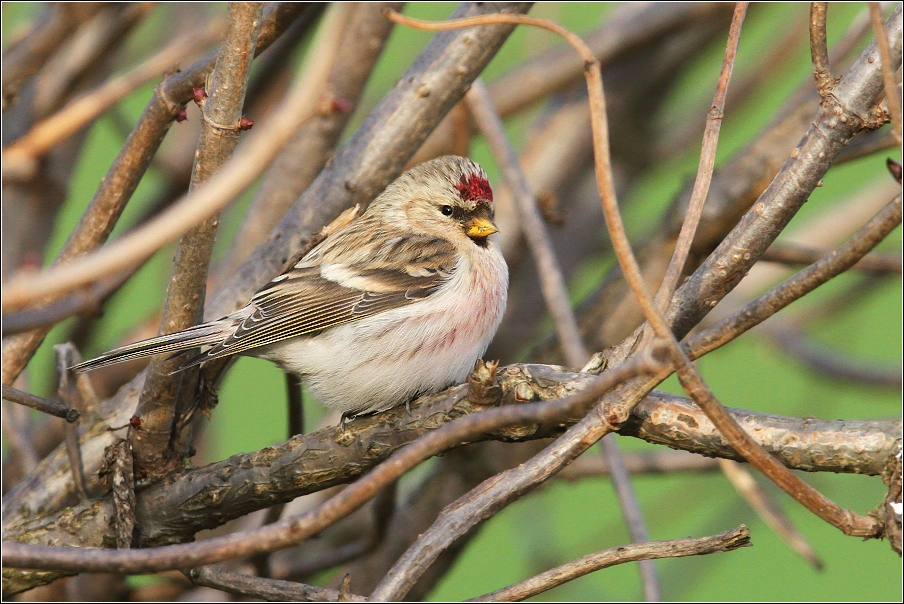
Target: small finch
398,303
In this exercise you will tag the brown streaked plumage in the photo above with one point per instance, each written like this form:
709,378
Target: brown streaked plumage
400,302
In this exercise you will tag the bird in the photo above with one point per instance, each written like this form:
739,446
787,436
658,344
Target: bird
399,303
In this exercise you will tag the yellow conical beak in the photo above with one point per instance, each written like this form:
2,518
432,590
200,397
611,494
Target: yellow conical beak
480,227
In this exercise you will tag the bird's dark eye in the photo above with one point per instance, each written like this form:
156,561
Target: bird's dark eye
446,210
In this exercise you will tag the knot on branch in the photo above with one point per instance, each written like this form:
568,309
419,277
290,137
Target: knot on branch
243,124
483,387
892,507
839,113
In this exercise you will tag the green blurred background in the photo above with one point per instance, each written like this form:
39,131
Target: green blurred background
565,520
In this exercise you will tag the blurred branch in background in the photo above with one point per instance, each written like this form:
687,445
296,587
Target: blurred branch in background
379,99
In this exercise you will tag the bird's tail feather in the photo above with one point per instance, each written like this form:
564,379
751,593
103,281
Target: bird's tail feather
193,337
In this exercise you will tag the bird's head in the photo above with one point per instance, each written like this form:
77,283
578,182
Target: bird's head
449,196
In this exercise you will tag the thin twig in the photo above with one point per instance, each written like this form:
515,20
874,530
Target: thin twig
790,253
769,511
630,507
88,107
892,90
676,548
819,50
51,407
705,167
271,590
652,462
67,392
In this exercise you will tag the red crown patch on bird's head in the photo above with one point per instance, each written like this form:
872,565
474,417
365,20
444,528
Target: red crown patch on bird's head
473,187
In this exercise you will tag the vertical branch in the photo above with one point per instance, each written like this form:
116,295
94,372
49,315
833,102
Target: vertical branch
892,95
221,115
67,393
819,50
295,402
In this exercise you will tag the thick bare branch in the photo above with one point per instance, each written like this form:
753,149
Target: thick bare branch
221,110
169,512
292,530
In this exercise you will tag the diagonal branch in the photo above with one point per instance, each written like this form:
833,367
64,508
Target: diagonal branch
707,162
127,170
676,548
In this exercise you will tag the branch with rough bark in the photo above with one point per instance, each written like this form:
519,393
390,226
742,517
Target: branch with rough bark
509,429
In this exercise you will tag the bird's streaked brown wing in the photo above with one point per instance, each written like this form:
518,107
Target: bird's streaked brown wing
322,291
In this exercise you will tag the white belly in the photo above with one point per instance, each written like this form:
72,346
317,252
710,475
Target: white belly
387,359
